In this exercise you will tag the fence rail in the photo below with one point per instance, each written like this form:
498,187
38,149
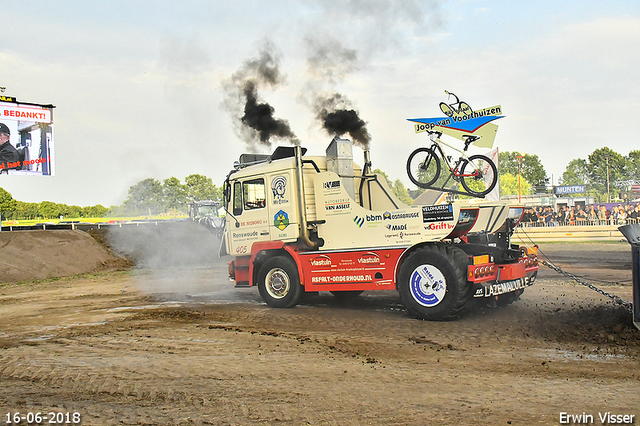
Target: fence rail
583,222
525,232
83,226
562,232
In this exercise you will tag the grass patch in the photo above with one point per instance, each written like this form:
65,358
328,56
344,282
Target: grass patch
92,276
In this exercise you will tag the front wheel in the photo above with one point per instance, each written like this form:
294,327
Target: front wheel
479,175
279,282
423,167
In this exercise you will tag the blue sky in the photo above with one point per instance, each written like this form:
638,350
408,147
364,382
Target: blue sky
139,85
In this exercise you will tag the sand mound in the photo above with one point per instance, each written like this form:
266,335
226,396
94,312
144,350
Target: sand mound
31,255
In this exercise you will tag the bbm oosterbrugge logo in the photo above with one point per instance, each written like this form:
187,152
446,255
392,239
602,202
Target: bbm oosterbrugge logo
279,187
358,221
281,220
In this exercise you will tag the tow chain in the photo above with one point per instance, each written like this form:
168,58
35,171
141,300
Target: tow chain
616,299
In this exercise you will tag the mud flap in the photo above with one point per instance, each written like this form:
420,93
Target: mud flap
632,234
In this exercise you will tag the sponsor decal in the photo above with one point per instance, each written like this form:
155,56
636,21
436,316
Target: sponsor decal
323,260
374,217
400,215
369,258
365,278
333,205
500,288
402,235
438,226
428,287
245,234
439,213
279,189
334,184
281,220
386,216
254,222
391,227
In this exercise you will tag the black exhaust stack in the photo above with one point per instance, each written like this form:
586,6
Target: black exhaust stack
632,234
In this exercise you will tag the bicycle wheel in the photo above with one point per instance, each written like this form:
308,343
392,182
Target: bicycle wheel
423,167
446,109
479,175
465,109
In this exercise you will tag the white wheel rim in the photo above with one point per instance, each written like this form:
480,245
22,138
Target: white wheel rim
427,285
277,283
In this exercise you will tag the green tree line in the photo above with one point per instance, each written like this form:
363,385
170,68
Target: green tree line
606,173
147,197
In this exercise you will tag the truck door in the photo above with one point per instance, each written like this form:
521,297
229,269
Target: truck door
251,214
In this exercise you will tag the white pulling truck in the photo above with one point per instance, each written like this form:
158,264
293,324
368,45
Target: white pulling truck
299,223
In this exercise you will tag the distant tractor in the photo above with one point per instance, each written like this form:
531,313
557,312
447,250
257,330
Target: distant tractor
207,214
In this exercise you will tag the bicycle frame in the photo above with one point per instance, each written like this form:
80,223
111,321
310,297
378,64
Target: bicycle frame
463,156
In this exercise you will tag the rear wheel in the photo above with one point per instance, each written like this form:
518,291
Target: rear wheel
433,282
485,175
446,109
423,167
279,282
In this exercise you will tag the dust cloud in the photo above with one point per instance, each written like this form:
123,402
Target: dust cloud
169,257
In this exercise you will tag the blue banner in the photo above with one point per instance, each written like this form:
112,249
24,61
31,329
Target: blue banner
570,189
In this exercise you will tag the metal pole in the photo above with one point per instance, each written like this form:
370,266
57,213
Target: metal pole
519,192
608,194
632,234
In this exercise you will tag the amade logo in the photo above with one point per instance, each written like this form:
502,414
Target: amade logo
391,227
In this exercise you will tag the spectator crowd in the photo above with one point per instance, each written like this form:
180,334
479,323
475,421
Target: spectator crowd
577,215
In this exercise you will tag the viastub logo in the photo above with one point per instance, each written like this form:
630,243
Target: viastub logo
369,258
321,261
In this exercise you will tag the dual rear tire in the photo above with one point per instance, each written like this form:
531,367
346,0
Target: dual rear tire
432,282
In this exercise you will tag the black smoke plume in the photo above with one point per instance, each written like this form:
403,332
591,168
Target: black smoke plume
259,117
328,64
338,117
254,119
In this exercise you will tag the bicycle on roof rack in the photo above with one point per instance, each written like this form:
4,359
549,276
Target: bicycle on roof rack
477,174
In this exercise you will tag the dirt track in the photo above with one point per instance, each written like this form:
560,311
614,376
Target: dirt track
182,346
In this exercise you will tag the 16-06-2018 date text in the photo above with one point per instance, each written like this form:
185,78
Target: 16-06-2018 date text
50,418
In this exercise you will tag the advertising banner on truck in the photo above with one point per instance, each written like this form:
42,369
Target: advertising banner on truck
26,138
